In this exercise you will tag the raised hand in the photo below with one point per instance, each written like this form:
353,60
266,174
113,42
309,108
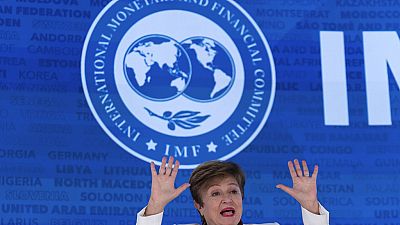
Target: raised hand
163,188
304,187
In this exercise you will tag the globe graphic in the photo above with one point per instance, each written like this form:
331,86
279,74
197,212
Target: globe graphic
157,67
212,69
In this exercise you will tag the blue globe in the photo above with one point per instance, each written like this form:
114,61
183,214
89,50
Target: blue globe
157,67
212,69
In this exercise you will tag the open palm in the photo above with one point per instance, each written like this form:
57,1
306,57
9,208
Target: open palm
304,188
163,188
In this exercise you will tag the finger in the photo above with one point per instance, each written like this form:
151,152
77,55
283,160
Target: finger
175,170
169,166
291,170
153,169
298,169
162,167
305,168
286,189
181,188
315,173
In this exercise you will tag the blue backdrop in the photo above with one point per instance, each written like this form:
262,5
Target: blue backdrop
58,166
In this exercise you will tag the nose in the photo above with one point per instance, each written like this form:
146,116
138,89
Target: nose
227,198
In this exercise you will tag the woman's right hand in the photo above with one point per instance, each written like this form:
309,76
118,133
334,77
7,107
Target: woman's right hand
163,188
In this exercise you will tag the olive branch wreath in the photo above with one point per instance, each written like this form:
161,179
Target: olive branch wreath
184,119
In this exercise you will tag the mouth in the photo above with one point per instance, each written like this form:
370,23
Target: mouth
228,212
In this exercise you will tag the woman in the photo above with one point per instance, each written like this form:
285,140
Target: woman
217,189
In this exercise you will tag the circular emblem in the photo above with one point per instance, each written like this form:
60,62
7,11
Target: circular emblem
191,79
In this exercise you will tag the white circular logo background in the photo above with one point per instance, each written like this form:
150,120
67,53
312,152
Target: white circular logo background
192,80
209,29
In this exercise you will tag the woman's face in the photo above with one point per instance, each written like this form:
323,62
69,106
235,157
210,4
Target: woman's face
222,202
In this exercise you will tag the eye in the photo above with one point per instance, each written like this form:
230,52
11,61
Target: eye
234,192
214,194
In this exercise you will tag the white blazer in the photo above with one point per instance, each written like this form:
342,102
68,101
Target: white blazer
308,218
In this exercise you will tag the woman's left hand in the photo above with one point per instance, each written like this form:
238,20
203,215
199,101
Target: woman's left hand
304,187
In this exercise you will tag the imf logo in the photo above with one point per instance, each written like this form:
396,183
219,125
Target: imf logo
192,79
